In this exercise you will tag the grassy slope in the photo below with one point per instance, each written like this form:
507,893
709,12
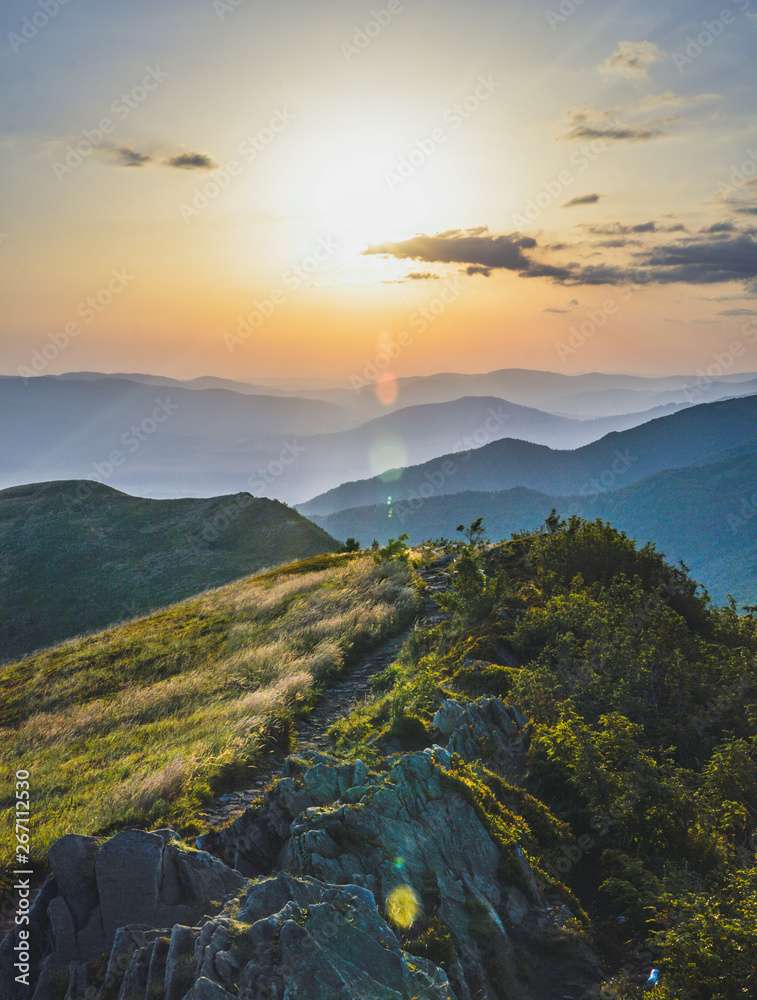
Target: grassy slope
78,555
138,724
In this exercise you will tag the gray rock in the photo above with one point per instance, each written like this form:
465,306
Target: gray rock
134,879
179,962
285,938
252,844
486,730
72,863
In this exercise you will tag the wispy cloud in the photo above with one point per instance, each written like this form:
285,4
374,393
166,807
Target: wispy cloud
590,125
124,156
632,60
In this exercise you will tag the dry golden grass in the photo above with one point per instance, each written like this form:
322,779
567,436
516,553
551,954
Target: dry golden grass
142,722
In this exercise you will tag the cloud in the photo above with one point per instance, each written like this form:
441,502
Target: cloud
422,276
572,304
720,227
616,125
614,133
583,199
617,243
191,161
634,229
747,210
699,259
477,247
123,156
669,99
632,60
738,312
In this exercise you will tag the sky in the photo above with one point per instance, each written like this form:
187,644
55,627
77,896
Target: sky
339,189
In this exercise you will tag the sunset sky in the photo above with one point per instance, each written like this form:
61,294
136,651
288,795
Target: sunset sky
265,190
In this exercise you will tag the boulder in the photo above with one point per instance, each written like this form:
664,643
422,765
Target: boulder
487,730
135,878
283,938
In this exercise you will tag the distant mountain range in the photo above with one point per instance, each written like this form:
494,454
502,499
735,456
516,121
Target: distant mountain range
695,435
704,515
78,556
159,437
585,396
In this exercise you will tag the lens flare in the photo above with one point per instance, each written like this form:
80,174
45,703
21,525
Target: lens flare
386,389
403,906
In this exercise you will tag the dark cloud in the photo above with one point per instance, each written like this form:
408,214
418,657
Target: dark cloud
615,133
738,312
747,210
191,161
720,227
463,246
583,199
702,259
123,156
422,276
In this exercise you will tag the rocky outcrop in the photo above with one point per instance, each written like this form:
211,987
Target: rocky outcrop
280,938
382,867
135,878
412,828
253,843
485,730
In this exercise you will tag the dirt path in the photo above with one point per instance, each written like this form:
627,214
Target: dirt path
335,702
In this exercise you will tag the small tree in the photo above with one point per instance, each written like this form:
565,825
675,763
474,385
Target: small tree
395,548
351,545
474,532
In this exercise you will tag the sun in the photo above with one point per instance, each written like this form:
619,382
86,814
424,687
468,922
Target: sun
352,190
348,178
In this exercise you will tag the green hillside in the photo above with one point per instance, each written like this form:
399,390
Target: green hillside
77,555
141,722
704,515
